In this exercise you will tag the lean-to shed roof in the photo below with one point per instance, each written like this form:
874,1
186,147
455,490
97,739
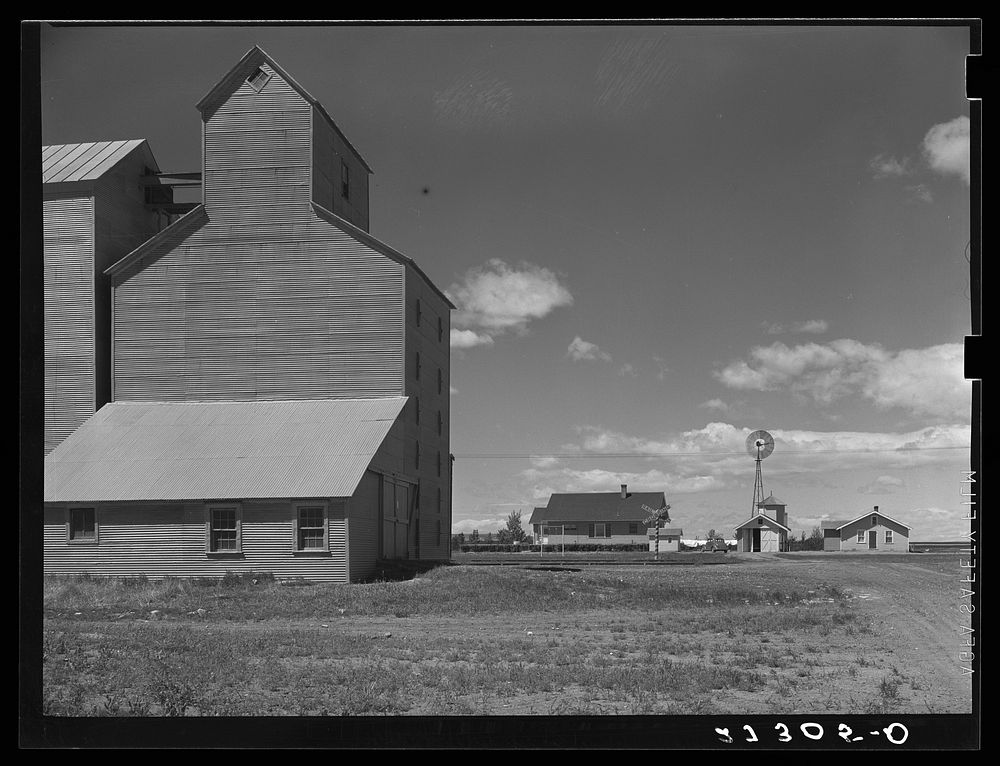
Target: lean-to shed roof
138,451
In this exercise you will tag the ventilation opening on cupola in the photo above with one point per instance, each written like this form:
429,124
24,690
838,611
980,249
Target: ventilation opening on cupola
258,78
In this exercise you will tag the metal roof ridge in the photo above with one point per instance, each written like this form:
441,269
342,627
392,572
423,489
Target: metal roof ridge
256,401
874,513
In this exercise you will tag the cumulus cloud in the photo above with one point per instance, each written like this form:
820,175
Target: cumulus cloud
947,147
882,485
581,350
816,326
496,298
469,339
927,382
884,166
715,404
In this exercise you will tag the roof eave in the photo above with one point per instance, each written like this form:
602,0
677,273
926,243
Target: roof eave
185,220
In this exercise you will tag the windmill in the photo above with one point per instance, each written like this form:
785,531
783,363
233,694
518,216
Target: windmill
760,444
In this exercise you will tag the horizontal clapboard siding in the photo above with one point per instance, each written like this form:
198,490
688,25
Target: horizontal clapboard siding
257,153
70,374
239,316
168,540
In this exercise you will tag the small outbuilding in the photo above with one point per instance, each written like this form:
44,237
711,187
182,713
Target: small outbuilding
871,532
766,530
670,539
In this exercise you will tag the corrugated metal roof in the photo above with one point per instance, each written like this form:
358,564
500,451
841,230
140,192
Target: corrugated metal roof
598,506
64,163
134,451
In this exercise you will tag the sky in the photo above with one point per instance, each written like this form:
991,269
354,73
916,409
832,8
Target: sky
659,238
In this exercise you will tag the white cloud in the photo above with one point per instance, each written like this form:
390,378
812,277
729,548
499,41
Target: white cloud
919,193
947,147
581,350
927,382
627,369
882,485
469,339
496,298
815,326
884,166
715,404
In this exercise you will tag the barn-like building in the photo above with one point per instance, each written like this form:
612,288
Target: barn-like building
766,530
279,378
97,206
871,532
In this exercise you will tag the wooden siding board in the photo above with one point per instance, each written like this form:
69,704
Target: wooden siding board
168,540
69,345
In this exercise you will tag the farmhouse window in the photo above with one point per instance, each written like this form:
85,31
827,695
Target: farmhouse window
310,532
345,180
224,529
258,79
888,535
83,525
599,530
861,535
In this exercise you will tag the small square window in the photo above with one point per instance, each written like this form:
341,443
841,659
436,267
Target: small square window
224,529
83,524
258,79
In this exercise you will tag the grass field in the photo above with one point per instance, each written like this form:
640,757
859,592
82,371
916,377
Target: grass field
783,633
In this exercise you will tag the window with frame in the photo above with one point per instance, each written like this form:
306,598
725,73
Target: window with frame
599,530
258,79
888,535
345,180
310,532
224,529
418,312
861,535
82,525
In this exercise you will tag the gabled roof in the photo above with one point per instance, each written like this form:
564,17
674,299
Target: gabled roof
67,163
139,451
598,506
195,216
671,531
254,58
874,513
832,524
376,244
753,520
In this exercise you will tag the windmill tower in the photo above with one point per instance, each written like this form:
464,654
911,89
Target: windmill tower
760,444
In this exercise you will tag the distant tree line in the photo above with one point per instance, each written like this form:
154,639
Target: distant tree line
812,543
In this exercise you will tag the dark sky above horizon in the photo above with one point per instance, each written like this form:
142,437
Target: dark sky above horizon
659,237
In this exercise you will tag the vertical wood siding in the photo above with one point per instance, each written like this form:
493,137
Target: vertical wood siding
329,150
168,539
70,371
362,525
